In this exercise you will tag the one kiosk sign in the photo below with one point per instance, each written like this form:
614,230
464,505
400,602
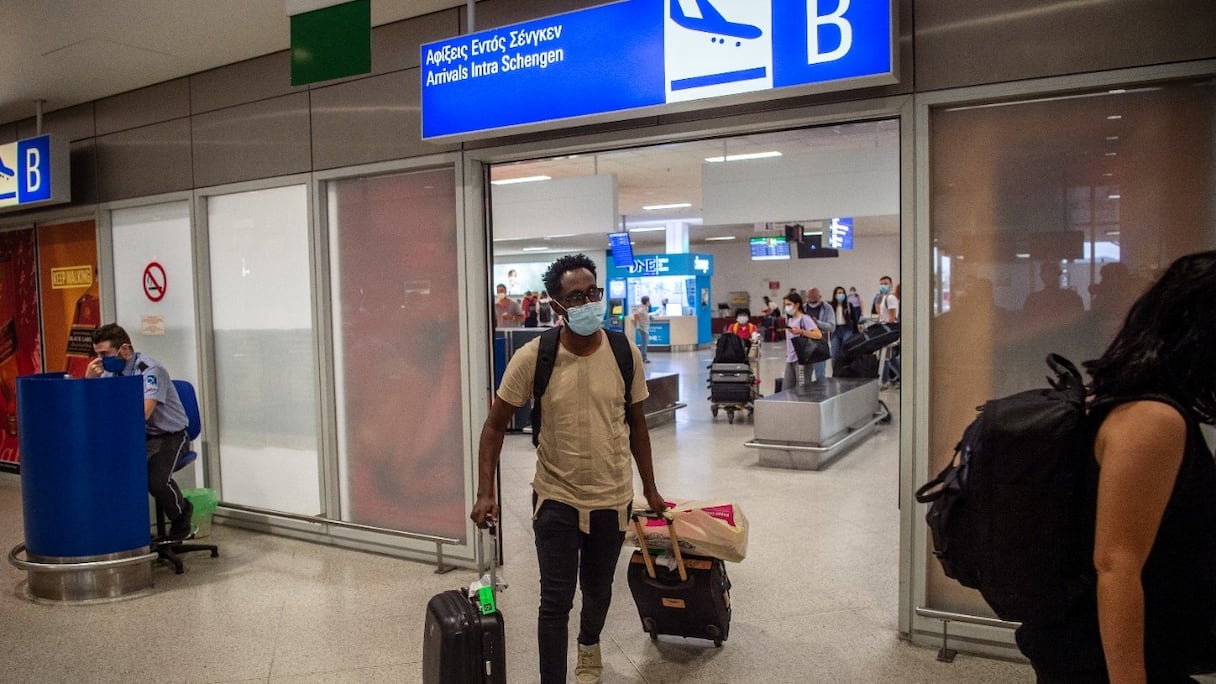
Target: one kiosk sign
638,54
34,172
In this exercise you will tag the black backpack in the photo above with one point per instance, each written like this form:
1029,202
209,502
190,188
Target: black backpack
730,349
1012,515
546,356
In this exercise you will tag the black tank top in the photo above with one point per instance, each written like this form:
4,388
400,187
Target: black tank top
1179,580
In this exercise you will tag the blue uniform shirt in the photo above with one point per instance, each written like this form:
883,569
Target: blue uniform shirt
169,414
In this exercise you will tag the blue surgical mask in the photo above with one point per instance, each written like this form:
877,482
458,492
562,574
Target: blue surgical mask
588,318
884,288
840,296
113,364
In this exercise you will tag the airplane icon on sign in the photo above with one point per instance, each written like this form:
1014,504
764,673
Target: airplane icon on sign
6,171
712,21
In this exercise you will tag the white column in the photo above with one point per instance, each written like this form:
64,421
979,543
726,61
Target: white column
677,237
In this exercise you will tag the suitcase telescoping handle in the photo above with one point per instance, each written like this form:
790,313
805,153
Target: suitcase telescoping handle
675,543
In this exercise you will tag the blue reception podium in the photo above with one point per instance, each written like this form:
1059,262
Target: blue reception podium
84,484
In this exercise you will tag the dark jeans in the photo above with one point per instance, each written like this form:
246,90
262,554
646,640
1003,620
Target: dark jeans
163,452
567,556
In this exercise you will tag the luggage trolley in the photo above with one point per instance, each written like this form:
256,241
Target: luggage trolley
734,378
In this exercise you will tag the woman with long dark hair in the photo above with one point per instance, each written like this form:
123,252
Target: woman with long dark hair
1151,612
847,316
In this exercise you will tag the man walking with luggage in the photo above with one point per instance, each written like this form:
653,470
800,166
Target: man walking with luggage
583,488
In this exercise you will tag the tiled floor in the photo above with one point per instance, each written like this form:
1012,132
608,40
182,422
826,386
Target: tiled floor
815,601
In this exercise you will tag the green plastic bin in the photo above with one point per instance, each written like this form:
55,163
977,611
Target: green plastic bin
204,501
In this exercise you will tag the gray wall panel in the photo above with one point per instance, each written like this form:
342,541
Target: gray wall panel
369,120
260,78
74,122
972,42
258,140
144,161
397,46
83,155
495,13
154,104
8,133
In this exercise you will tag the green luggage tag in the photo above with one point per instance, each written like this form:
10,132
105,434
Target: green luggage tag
485,597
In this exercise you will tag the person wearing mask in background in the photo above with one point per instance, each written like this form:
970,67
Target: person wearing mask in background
749,332
886,304
164,417
825,319
797,324
641,321
583,488
847,316
544,309
507,312
1149,604
528,305
855,300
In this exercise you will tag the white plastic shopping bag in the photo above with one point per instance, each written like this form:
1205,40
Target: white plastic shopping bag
705,528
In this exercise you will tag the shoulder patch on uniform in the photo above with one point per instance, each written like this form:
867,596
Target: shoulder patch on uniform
149,380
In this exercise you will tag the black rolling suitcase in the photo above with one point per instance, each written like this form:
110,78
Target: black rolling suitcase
462,644
730,382
870,339
691,601
864,366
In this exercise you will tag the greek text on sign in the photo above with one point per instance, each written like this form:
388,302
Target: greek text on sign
71,276
647,53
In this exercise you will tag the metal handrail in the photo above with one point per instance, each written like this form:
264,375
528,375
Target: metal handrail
36,566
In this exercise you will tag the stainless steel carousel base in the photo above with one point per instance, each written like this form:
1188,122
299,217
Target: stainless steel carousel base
85,578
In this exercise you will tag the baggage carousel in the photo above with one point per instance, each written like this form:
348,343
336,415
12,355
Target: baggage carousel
806,427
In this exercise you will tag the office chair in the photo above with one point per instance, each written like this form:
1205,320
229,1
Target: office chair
169,549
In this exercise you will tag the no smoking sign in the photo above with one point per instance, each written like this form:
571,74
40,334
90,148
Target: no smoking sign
155,282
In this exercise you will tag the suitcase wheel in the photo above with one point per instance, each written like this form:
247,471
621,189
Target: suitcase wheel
715,634
650,628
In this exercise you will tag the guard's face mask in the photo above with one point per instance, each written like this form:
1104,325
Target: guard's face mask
113,364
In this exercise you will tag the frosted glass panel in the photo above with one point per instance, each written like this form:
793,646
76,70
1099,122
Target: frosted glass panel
154,289
1048,219
264,351
397,352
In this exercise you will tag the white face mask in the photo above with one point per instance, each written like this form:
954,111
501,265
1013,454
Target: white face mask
741,319
789,310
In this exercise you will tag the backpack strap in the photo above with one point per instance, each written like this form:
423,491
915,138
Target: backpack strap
546,356
624,360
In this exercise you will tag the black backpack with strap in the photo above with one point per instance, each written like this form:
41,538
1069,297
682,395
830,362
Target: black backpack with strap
1013,513
546,356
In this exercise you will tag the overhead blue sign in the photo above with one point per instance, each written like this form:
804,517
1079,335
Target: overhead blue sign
34,172
638,54
840,233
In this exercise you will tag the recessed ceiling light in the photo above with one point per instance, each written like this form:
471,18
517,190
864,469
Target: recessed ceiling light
1112,154
1114,117
522,179
657,207
647,230
535,249
742,157
720,237
1022,255
1108,174
1112,233
1117,91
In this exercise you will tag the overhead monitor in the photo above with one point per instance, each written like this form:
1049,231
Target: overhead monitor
770,248
621,248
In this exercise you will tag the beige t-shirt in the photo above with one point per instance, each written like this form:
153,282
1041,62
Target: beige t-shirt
583,458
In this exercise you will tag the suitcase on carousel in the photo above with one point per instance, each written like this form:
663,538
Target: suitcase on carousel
693,600
461,644
870,339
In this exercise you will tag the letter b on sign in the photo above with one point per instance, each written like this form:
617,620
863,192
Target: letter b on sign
33,170
836,19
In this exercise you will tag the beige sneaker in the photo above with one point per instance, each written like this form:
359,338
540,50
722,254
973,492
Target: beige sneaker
589,666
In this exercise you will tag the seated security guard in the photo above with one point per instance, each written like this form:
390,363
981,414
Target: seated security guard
164,416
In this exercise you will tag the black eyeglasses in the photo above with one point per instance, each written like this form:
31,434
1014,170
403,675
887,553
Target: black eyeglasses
580,298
